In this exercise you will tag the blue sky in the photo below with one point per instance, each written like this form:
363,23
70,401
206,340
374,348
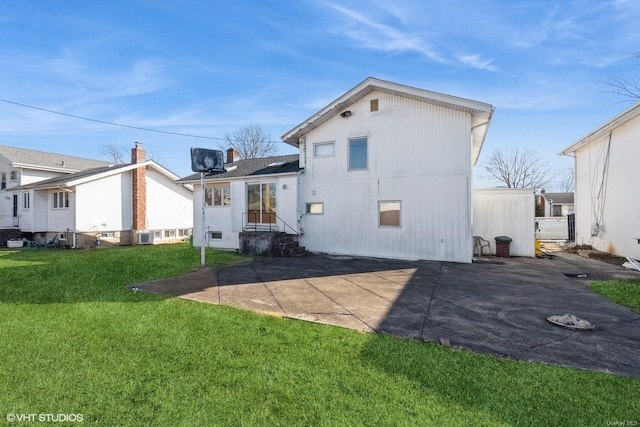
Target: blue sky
211,67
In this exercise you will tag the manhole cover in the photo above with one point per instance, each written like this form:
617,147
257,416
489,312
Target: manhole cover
571,322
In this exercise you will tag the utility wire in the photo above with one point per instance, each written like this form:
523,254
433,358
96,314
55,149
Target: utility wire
112,123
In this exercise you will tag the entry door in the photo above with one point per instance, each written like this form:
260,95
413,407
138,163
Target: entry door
261,203
15,210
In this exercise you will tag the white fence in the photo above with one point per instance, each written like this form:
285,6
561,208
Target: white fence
552,228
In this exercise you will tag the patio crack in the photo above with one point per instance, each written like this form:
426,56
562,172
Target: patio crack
269,290
433,293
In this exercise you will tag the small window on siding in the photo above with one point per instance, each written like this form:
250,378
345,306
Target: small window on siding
374,104
325,149
157,234
60,200
215,235
26,201
217,196
357,153
315,208
389,213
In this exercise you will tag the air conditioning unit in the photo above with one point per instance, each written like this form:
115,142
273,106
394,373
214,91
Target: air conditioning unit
145,238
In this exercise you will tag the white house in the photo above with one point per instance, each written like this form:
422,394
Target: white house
253,194
557,204
607,194
385,170
86,202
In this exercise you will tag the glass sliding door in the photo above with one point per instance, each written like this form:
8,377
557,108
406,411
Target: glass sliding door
261,203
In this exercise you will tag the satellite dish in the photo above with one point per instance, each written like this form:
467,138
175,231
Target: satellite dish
205,160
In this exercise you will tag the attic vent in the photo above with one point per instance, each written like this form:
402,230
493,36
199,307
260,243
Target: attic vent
145,238
374,104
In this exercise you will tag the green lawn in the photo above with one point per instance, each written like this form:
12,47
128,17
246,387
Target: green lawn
623,292
73,340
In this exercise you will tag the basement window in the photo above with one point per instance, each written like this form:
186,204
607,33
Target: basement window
389,213
215,235
315,208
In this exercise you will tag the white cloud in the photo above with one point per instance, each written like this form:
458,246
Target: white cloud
476,61
375,35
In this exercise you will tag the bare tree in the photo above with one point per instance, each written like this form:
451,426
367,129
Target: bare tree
114,153
251,142
567,184
626,88
514,168
120,155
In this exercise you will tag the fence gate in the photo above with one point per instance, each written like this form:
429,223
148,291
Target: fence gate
571,223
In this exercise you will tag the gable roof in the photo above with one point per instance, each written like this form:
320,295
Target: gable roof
481,113
33,159
251,167
617,121
93,174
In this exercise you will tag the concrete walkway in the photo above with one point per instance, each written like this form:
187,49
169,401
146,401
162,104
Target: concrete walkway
494,308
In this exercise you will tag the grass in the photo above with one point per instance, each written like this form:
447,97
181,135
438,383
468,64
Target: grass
73,340
623,292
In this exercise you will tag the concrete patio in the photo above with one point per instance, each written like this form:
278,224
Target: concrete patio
497,307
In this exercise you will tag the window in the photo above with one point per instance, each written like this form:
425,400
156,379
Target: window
324,149
169,234
14,175
108,235
374,105
217,196
358,154
157,234
26,201
389,214
315,208
184,232
60,200
215,235
3,181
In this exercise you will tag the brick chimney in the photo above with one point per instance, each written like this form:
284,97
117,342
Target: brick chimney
139,189
232,155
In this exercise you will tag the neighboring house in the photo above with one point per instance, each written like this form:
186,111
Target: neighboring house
607,170
556,204
385,171
84,202
253,194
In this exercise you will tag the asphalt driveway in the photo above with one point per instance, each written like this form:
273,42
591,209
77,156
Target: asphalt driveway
497,307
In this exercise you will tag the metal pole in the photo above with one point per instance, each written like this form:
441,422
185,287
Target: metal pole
203,225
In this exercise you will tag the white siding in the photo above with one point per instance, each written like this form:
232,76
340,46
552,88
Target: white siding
104,204
506,212
619,208
169,206
40,205
418,154
62,219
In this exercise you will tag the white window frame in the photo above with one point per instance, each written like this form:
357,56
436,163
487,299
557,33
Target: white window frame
60,200
26,201
215,235
352,140
310,205
224,196
324,144
380,203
